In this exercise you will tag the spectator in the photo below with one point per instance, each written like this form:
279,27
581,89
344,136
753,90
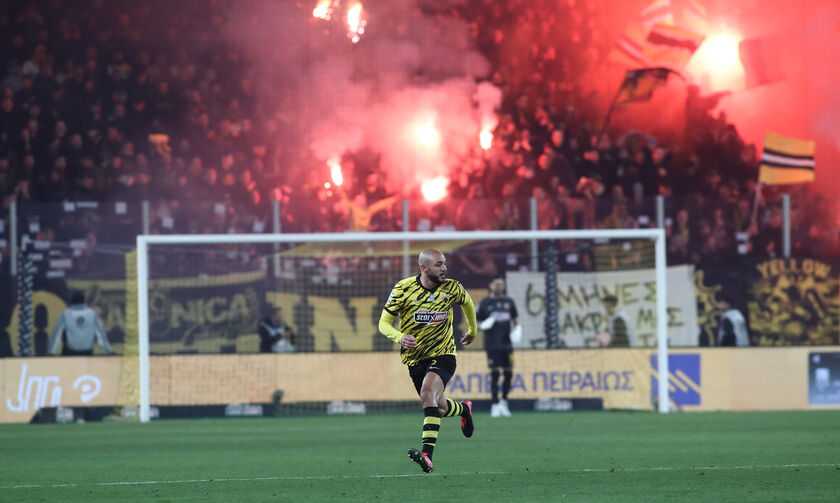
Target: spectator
618,332
732,327
275,335
77,330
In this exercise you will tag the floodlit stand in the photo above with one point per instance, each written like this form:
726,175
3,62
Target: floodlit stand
143,242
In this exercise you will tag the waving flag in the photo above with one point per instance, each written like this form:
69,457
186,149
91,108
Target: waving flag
671,46
652,39
638,85
786,160
629,49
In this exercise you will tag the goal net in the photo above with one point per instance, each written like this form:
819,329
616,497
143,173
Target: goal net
201,300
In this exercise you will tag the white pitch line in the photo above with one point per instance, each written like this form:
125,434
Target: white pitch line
406,475
710,468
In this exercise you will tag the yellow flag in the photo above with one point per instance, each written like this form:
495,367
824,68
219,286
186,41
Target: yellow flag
786,160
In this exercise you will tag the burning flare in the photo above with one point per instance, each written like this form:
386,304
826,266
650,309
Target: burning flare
717,62
428,135
323,10
435,189
335,172
355,23
485,138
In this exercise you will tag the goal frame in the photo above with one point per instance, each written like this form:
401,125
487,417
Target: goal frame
145,240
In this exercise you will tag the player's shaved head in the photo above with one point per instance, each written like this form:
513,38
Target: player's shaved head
429,256
432,267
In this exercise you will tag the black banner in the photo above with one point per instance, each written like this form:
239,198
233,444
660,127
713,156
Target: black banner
204,315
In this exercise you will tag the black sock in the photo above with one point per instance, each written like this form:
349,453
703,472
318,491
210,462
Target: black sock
506,383
494,385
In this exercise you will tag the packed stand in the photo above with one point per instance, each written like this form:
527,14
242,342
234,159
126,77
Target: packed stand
104,103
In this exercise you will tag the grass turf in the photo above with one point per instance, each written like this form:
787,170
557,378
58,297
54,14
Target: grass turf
608,456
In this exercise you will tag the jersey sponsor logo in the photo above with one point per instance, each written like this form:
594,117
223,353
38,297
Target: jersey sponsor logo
430,317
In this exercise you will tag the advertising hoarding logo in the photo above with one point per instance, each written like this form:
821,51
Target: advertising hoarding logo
34,391
683,378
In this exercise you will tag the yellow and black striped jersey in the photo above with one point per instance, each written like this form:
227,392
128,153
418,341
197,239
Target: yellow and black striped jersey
427,315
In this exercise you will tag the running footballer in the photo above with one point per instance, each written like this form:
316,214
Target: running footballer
424,305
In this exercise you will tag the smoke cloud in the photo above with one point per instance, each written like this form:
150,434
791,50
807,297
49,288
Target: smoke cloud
414,70
415,66
805,105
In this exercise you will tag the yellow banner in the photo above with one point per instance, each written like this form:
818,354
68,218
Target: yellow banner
704,379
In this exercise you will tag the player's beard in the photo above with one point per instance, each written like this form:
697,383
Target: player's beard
436,278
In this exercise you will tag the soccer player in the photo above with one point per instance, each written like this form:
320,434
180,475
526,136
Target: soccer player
424,304
497,315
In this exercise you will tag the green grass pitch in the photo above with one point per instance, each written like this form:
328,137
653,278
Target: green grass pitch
594,456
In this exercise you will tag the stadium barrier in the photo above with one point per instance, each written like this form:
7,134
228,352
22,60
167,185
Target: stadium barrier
701,379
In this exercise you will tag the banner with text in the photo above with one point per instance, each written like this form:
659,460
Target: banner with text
581,315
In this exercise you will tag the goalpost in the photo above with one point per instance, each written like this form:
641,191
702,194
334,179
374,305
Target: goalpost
533,240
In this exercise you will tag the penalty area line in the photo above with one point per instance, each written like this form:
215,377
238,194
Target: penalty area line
411,475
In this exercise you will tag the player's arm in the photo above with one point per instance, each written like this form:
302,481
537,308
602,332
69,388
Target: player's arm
386,328
55,338
386,320
469,312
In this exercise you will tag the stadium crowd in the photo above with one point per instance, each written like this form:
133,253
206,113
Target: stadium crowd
105,103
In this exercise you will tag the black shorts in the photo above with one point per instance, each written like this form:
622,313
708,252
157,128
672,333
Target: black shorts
500,358
443,365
